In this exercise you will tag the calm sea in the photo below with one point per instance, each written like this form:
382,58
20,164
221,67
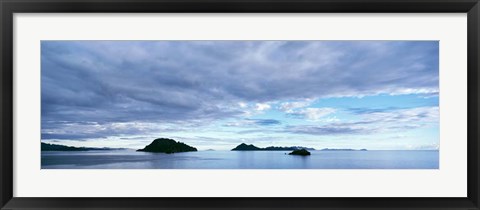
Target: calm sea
130,159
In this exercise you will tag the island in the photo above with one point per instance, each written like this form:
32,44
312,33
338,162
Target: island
58,147
168,146
302,152
251,147
246,147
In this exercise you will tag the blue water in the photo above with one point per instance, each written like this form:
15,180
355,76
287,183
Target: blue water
130,159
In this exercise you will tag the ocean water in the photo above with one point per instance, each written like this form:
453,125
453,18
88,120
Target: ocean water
130,159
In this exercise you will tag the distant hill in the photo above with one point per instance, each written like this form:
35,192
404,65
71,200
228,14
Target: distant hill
57,147
169,146
251,147
287,148
327,149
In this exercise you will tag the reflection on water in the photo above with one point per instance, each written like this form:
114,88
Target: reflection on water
130,159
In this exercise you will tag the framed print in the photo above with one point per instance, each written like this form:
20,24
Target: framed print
239,105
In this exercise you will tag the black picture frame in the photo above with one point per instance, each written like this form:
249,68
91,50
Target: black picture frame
10,7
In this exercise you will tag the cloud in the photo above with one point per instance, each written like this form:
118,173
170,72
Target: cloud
374,122
262,106
288,107
312,113
252,122
124,130
332,129
168,82
243,105
370,110
250,109
412,116
297,109
265,122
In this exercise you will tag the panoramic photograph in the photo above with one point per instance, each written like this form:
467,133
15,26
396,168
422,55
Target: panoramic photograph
233,104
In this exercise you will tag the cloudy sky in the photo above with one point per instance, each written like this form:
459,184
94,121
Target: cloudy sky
218,94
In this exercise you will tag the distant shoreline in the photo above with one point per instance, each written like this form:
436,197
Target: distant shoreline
73,148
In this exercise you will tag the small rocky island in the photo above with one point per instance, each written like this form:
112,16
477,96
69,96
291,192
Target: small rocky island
251,147
168,146
302,152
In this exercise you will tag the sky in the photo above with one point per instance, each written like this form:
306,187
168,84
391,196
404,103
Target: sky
377,95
